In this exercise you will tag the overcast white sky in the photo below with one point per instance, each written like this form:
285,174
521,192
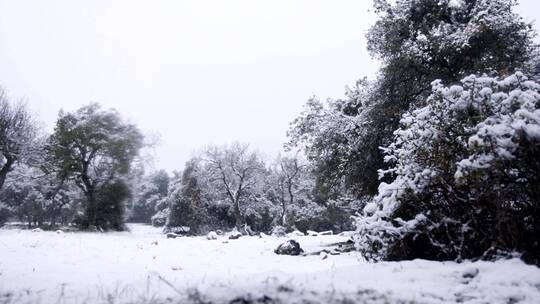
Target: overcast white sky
197,72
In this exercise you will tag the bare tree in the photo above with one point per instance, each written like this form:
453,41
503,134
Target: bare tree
287,171
18,134
236,171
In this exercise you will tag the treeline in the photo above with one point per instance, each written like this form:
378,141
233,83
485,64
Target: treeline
232,186
88,174
445,142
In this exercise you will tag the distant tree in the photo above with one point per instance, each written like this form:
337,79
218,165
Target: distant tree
235,171
149,192
184,199
18,134
95,148
287,172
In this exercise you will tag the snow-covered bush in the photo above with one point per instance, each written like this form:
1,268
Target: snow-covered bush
335,215
306,215
160,218
39,199
260,213
466,175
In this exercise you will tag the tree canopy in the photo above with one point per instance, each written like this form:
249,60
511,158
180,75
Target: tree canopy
95,148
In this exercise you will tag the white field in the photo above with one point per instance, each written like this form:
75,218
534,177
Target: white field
144,266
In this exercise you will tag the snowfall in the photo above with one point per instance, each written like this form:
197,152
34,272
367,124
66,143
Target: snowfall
143,266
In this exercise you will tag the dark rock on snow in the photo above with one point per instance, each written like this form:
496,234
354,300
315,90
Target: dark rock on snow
178,230
290,247
235,236
172,235
347,246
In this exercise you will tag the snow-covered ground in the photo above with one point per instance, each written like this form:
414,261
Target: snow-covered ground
144,266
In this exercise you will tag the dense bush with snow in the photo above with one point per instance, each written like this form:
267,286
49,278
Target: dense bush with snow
466,176
39,199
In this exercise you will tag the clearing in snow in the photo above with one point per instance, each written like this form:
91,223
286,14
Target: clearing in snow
144,266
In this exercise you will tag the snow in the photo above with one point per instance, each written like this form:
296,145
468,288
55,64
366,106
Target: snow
212,235
87,267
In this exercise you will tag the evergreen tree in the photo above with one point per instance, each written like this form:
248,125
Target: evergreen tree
417,42
95,148
185,204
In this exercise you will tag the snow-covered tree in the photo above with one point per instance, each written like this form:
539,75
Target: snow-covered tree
236,172
466,175
187,200
286,178
204,195
18,134
95,148
417,42
149,192
40,199
334,137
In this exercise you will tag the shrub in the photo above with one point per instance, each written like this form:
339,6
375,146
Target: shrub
466,176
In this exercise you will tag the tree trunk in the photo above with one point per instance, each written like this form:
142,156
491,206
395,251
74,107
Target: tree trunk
91,210
88,189
283,212
283,206
237,214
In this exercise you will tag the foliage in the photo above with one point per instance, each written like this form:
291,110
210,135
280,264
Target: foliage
280,194
18,135
336,139
39,199
417,42
95,148
235,172
149,193
465,175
